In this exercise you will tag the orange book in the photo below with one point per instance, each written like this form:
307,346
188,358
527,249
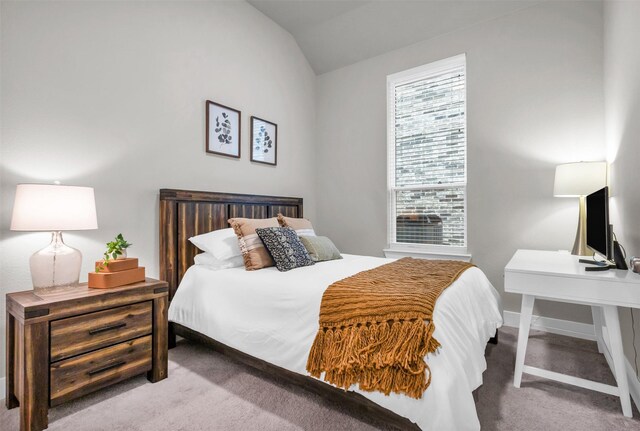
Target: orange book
105,280
118,264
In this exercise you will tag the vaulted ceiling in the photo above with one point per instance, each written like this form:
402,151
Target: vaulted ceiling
335,33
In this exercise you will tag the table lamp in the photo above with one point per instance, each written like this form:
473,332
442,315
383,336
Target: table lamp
578,180
55,208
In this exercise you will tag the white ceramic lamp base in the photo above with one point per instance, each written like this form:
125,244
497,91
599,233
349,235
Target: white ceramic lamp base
55,265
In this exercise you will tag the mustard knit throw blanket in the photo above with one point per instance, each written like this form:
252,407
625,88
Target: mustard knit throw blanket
376,326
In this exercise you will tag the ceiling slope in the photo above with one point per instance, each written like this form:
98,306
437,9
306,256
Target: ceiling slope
333,34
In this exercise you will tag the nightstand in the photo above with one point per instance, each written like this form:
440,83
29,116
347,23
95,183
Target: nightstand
559,276
66,342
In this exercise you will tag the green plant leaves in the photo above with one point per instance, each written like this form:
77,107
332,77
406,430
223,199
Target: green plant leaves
114,249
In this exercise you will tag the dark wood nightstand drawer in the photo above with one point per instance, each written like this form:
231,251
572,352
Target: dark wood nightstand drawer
81,334
86,373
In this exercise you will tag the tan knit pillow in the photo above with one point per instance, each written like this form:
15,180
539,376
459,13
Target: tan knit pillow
302,226
253,251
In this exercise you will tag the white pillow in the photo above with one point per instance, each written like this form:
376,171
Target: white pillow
221,243
209,261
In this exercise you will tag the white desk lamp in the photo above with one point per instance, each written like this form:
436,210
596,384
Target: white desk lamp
578,180
55,208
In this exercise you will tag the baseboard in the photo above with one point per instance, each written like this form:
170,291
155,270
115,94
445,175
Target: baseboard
576,330
3,388
555,326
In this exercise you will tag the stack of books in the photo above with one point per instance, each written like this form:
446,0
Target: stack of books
116,273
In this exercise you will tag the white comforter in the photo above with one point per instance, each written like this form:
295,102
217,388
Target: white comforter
273,316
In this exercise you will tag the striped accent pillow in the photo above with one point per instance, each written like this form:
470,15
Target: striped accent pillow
302,226
254,253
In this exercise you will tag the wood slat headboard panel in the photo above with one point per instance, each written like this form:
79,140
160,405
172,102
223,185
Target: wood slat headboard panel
185,213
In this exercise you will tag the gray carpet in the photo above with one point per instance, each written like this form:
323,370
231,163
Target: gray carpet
206,391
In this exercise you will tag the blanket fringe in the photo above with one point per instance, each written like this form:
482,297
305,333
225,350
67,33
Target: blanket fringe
386,356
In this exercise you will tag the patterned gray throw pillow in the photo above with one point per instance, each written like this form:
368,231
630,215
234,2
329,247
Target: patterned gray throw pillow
285,247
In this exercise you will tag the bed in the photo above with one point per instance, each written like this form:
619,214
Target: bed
268,319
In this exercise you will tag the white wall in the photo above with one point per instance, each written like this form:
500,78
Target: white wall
535,99
622,101
112,95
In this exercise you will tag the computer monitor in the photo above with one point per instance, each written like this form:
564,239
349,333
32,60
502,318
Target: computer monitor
599,235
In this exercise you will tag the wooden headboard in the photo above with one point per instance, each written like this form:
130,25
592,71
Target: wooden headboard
185,213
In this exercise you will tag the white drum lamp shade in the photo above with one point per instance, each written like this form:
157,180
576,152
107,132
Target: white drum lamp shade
578,180
44,207
54,208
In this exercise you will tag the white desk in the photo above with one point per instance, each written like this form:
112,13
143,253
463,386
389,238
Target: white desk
558,276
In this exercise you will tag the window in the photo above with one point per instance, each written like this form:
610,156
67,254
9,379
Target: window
427,152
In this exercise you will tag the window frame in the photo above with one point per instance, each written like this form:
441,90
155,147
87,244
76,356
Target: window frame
398,249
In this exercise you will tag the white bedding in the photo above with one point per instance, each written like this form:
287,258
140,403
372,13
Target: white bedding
273,316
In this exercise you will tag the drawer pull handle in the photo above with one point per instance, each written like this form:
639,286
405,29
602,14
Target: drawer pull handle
107,328
105,368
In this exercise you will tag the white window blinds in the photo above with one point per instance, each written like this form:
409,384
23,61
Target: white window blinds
427,154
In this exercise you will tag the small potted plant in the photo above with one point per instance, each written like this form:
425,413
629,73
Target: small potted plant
116,249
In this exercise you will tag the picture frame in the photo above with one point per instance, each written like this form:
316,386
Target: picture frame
264,141
223,134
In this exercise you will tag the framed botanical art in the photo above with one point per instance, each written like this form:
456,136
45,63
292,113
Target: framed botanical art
264,141
223,130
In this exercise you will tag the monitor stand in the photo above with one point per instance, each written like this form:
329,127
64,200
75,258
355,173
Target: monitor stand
598,266
618,261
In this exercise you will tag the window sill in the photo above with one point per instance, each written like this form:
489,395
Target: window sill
397,253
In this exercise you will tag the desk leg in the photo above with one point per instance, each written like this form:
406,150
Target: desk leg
596,313
523,336
613,328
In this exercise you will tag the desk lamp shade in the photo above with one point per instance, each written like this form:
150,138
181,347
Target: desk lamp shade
578,180
55,208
